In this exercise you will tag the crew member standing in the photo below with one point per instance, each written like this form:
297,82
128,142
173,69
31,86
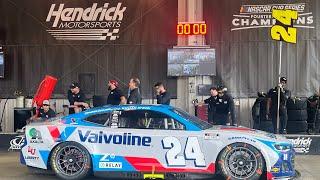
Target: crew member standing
115,96
211,101
224,105
134,92
76,99
163,96
272,106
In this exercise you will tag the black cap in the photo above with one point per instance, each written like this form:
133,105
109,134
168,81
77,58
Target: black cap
283,79
74,85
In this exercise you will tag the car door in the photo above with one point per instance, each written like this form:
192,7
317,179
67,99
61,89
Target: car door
160,143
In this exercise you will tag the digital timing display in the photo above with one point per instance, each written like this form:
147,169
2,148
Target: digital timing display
192,28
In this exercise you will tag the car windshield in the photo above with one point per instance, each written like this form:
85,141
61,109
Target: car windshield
195,120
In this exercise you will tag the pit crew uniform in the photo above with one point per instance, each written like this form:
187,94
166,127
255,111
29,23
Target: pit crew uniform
134,97
284,96
224,105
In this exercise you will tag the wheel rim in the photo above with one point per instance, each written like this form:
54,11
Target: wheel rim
71,160
241,163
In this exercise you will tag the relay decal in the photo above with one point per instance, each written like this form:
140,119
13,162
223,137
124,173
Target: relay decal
110,162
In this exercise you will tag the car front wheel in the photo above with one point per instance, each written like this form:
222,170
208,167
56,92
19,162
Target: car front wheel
241,161
71,161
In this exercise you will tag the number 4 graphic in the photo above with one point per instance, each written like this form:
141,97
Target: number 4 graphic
192,152
286,31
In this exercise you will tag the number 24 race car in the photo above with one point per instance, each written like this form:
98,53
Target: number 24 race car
156,142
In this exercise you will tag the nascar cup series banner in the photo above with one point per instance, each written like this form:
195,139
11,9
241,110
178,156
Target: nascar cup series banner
260,16
100,21
243,32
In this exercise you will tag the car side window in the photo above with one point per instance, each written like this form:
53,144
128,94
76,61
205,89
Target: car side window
101,119
146,119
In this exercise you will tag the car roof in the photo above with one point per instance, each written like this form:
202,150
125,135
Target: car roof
109,108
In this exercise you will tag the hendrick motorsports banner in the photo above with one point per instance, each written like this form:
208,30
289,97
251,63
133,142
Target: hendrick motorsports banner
305,145
97,22
260,16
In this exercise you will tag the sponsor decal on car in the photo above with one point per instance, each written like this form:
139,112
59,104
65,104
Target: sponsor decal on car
35,136
301,144
107,162
105,138
241,138
16,143
31,154
275,169
109,165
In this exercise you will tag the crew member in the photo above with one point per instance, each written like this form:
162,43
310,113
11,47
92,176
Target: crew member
314,113
115,96
224,105
163,96
44,113
211,101
134,92
76,99
272,105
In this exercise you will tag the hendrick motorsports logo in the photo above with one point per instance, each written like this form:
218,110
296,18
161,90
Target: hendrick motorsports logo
260,16
302,145
35,136
92,23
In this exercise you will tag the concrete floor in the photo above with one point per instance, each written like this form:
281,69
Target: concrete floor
10,168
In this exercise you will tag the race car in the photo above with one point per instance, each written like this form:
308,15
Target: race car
153,141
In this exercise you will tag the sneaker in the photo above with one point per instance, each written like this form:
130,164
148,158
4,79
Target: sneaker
284,131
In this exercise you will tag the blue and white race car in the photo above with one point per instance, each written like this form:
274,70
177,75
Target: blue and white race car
153,141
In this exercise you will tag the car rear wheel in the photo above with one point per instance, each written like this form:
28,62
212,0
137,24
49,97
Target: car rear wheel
241,161
71,160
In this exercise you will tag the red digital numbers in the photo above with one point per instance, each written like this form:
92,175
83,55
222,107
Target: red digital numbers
192,29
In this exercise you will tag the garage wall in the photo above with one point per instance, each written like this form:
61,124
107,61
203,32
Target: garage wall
146,31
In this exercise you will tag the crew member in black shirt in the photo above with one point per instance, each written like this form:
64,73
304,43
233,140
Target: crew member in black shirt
163,97
224,106
44,113
134,94
76,99
115,96
211,101
272,105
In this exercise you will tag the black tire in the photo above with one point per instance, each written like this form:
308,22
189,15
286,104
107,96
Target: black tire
297,104
240,153
297,126
76,152
297,115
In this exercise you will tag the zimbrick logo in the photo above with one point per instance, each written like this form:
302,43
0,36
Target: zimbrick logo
91,23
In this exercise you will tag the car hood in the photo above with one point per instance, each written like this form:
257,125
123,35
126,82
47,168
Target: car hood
238,131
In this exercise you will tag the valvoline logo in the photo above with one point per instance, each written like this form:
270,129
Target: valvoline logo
104,138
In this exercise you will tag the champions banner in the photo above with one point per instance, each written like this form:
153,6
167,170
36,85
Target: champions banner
260,16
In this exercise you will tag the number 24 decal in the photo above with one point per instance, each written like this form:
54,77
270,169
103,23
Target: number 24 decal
192,151
286,31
